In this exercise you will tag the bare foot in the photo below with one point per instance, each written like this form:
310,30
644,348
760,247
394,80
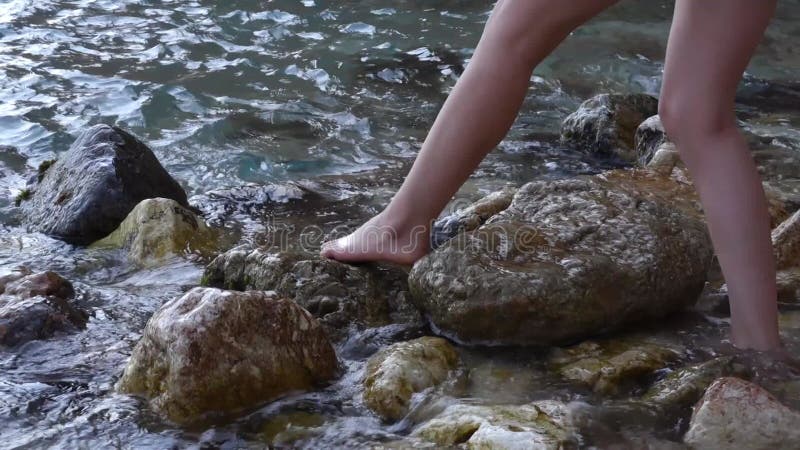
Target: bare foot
380,240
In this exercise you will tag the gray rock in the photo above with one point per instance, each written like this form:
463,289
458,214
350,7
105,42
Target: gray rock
340,295
214,351
398,372
92,187
606,124
737,414
36,306
569,259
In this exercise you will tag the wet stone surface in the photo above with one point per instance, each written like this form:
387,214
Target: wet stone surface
36,306
340,295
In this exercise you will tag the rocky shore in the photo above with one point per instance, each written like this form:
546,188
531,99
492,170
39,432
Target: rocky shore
569,270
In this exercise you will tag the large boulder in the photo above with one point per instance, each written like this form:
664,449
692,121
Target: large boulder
157,229
541,425
398,372
36,306
339,295
569,259
606,124
214,351
92,187
737,414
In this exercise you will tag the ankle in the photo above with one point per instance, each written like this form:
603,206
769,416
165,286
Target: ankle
403,224
760,340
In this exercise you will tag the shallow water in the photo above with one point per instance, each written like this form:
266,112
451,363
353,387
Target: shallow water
253,91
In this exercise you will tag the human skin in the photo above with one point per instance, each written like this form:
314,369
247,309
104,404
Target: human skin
711,43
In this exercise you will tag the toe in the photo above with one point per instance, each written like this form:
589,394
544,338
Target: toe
329,249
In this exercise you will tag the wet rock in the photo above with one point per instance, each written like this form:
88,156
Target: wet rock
287,429
569,259
398,372
12,159
9,276
685,386
734,413
539,425
659,154
214,351
92,187
606,366
340,295
249,200
156,230
364,343
40,284
788,282
664,159
786,246
765,96
649,137
36,306
471,217
607,123
786,243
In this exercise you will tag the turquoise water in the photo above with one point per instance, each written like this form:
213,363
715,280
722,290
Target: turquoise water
255,91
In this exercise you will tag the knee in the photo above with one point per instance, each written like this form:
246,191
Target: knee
688,118
530,29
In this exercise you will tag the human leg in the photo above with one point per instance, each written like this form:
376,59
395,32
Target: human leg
711,43
474,119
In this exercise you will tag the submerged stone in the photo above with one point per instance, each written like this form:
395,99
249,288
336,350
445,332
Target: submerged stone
214,351
339,295
36,306
685,386
92,187
398,372
607,123
156,230
569,259
608,365
734,413
540,425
